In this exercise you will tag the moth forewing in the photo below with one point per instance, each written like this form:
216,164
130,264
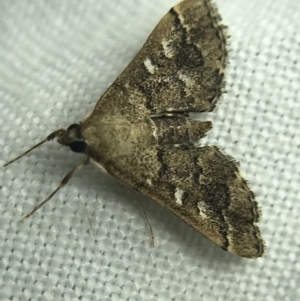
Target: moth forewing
141,133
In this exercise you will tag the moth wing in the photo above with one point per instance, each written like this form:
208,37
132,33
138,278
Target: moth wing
180,68
203,186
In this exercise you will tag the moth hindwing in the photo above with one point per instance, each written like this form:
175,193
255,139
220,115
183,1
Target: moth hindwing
140,131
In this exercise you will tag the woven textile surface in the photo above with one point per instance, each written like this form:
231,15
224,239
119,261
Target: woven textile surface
92,241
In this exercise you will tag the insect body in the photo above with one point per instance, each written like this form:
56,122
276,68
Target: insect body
141,133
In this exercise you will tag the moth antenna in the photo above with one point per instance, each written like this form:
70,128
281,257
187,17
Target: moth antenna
148,222
48,138
63,182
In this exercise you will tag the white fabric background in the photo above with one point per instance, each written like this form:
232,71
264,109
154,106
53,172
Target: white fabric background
56,59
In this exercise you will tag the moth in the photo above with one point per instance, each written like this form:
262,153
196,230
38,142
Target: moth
140,131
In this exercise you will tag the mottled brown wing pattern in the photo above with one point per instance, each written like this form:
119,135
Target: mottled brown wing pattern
140,134
203,187
179,69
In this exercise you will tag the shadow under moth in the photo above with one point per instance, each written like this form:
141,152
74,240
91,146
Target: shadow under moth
141,133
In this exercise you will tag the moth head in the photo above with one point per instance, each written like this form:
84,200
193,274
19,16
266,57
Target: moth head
72,137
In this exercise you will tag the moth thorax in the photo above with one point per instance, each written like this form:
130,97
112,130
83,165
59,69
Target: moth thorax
72,137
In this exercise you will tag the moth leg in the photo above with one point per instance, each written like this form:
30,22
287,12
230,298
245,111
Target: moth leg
148,222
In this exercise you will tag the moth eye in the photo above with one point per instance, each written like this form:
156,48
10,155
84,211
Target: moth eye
78,146
73,126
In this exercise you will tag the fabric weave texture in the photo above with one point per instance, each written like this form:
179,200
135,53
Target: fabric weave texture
91,241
